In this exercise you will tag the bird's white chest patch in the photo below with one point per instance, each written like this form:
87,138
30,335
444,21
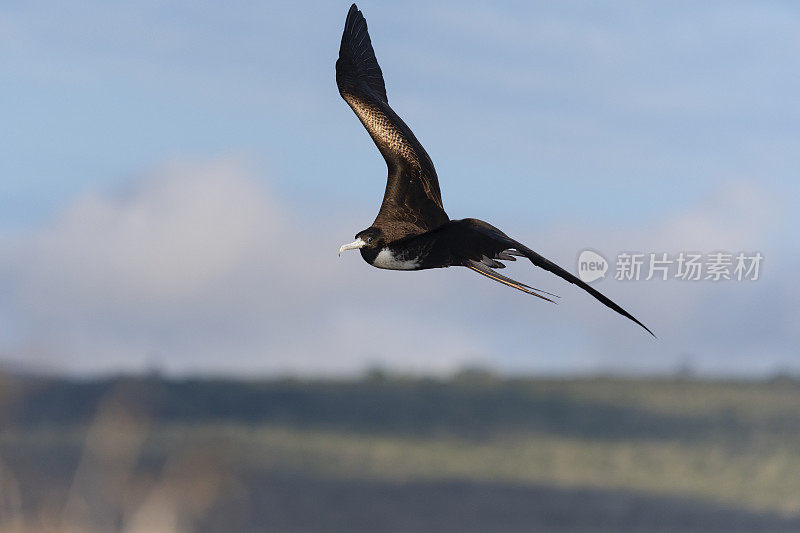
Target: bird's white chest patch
386,259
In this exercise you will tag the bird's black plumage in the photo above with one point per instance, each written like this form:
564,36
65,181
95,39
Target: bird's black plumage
412,230
412,202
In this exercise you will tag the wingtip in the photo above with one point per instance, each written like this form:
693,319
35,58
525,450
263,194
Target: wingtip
634,320
352,15
645,328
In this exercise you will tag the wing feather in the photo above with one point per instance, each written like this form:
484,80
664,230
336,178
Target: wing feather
483,269
412,198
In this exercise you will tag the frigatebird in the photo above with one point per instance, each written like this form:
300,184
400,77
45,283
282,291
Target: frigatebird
412,230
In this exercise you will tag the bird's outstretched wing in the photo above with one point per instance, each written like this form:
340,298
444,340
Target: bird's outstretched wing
412,202
478,245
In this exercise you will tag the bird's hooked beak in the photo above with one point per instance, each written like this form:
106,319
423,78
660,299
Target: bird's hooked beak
355,245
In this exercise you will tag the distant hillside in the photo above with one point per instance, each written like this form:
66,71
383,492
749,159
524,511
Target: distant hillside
472,453
471,404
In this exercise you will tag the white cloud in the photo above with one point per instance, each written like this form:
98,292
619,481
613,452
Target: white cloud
732,327
199,268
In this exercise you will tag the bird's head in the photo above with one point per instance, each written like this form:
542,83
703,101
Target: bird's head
369,241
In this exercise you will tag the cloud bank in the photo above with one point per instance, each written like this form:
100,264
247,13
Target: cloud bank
197,267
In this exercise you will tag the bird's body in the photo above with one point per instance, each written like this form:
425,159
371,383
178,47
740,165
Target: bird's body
446,245
412,230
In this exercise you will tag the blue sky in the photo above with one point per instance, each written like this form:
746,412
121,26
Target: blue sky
616,126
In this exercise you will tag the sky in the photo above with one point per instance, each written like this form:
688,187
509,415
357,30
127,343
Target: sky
176,178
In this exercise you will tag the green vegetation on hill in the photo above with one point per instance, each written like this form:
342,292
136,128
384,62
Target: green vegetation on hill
471,406
734,443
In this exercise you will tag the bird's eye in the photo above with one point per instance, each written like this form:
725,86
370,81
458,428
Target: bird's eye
369,240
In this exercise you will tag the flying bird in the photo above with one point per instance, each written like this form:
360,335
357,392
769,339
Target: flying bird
412,230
